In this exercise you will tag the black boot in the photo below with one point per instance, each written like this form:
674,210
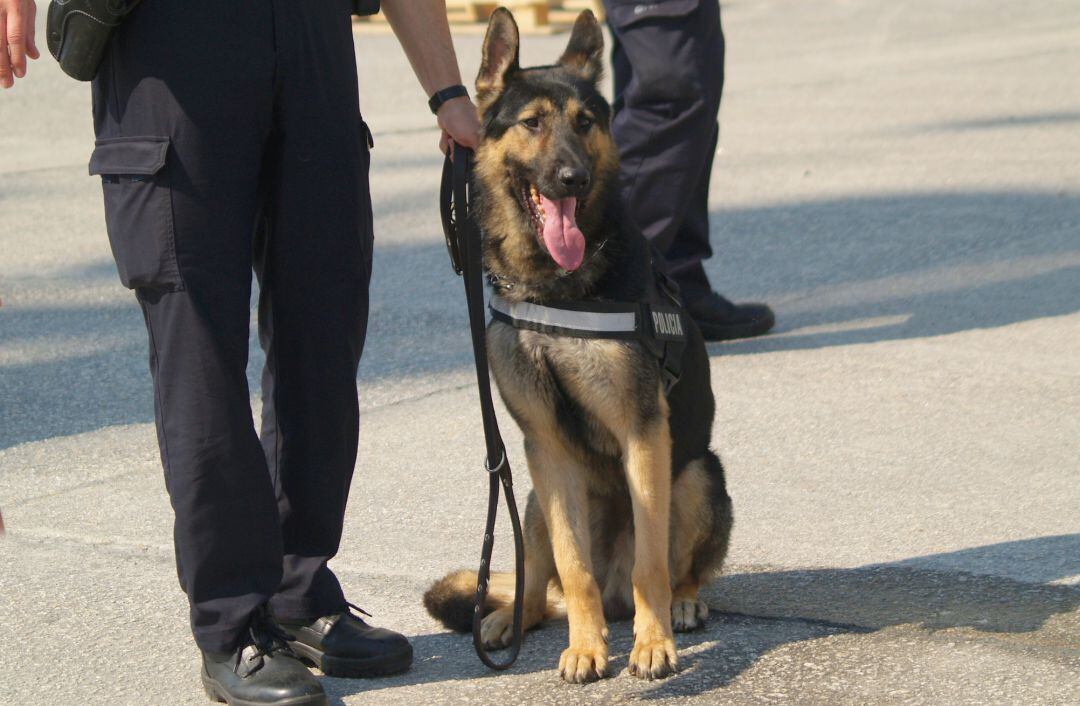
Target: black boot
721,320
343,645
261,670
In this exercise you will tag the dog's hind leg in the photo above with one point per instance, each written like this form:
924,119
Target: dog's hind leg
701,527
688,611
497,630
648,474
691,524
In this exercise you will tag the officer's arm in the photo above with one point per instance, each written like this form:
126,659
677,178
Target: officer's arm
16,39
422,29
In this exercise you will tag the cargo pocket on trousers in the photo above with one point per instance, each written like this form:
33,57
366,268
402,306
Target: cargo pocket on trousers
138,210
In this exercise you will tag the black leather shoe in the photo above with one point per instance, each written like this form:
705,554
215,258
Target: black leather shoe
262,670
721,320
343,645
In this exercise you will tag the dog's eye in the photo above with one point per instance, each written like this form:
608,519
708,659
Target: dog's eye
531,123
584,122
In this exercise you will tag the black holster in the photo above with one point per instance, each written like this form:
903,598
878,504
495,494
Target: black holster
78,32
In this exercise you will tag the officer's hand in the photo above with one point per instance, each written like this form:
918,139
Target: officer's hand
459,123
16,39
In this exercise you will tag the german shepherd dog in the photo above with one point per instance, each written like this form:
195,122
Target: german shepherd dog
628,514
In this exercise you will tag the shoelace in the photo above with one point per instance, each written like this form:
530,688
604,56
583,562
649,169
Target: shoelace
268,638
358,609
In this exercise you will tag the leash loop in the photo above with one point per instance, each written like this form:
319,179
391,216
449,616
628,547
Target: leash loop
464,247
499,468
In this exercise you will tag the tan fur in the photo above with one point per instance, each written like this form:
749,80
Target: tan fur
691,519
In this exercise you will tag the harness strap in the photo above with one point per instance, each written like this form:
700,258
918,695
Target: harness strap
657,325
605,320
463,243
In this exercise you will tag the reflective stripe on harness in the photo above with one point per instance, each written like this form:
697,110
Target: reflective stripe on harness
659,326
578,322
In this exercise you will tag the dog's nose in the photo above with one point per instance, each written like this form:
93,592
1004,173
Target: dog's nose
574,178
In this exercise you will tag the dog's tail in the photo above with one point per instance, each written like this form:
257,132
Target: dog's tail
450,599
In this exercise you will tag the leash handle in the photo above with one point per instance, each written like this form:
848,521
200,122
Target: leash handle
464,245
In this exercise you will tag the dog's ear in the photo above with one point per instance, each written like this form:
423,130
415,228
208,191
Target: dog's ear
585,52
500,55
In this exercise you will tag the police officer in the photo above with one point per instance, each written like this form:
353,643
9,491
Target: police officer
668,64
229,137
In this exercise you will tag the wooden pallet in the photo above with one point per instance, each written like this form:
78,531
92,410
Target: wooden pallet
532,16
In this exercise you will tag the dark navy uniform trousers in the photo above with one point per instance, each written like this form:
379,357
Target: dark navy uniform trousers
668,64
230,138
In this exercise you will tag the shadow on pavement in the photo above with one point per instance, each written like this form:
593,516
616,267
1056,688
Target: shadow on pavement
1061,117
974,306
757,612
839,272
869,269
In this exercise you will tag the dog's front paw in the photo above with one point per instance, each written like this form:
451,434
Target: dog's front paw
653,658
497,628
580,665
687,615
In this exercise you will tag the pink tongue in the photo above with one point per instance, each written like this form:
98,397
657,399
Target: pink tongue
562,237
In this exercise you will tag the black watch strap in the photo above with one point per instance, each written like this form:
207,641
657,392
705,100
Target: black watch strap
440,97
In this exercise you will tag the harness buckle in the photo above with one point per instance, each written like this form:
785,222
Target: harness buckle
670,368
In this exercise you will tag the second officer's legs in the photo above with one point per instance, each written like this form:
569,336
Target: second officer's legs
668,61
669,74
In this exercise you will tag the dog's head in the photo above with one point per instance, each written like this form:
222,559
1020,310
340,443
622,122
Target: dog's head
547,159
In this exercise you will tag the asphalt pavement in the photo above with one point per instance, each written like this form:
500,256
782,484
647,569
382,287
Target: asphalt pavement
900,180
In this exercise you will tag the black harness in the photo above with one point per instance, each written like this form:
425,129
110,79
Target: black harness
657,323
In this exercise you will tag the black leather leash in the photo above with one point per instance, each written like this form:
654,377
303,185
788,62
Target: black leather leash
463,244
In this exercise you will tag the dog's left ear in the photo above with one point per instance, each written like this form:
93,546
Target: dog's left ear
585,52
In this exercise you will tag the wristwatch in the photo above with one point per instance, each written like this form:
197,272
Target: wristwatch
440,97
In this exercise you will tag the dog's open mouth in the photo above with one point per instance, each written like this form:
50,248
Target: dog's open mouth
555,221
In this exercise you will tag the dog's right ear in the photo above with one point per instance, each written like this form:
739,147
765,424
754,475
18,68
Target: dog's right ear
500,56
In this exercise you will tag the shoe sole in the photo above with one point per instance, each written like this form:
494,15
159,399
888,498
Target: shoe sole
217,693
716,332
353,668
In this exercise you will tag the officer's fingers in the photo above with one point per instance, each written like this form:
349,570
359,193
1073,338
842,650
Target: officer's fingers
6,80
16,39
444,143
31,32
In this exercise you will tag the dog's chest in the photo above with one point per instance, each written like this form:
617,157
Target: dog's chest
589,391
